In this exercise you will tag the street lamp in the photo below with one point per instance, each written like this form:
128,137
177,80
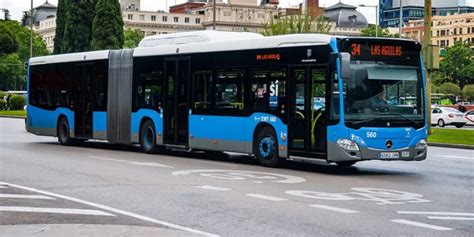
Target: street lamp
376,17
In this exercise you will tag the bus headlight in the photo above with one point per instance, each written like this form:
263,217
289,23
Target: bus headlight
421,144
348,145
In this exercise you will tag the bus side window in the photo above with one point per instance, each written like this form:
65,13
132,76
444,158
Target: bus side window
229,90
267,83
147,84
202,91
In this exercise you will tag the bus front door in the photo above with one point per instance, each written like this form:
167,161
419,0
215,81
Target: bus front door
83,100
307,118
176,101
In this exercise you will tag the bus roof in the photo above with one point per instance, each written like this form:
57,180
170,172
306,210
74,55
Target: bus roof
211,42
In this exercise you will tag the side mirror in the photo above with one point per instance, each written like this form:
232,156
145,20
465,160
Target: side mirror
345,65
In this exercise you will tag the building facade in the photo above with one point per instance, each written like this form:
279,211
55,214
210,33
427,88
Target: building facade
389,15
345,20
446,30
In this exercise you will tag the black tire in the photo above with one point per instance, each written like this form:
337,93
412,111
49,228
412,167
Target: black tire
345,163
63,132
441,123
265,148
459,125
148,137
64,137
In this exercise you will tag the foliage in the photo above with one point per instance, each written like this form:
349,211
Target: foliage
17,102
107,27
78,28
383,32
468,92
449,88
60,25
3,104
2,95
458,66
295,24
132,38
25,18
12,73
9,42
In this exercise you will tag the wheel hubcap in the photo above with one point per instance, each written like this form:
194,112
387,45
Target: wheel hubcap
265,146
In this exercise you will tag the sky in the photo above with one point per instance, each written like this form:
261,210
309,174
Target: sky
17,7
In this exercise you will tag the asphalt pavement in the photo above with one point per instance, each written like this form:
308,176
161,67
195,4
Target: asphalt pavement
101,189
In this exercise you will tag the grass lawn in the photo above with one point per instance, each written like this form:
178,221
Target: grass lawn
20,113
452,136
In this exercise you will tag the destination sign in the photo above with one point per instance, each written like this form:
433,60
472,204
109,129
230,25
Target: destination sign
381,50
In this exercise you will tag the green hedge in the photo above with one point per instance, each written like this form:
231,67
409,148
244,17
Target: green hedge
3,104
17,102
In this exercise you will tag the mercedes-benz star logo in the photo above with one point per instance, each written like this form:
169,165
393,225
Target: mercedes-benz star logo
389,144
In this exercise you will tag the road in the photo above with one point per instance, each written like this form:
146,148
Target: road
104,189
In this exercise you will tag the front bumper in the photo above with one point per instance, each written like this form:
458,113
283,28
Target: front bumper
337,154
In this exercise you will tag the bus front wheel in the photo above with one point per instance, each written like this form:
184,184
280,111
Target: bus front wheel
266,148
148,137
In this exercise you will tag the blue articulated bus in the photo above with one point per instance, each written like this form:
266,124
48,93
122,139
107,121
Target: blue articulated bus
307,96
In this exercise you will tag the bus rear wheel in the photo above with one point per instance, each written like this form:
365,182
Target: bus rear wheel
63,134
266,148
148,137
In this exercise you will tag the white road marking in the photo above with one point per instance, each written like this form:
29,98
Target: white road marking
115,210
3,187
456,157
55,210
436,213
419,224
265,197
105,158
337,209
243,175
213,188
214,163
459,218
21,196
153,164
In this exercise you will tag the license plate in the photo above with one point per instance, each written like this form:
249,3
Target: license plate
389,155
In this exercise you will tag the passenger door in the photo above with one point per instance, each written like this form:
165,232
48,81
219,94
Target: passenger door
83,99
176,101
307,117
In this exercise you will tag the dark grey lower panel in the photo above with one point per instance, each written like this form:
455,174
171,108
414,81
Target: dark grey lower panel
336,154
136,138
217,145
100,135
42,131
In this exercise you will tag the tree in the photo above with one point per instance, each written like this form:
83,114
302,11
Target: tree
383,32
25,19
7,37
468,92
78,27
458,65
107,28
61,15
132,38
12,73
295,24
449,88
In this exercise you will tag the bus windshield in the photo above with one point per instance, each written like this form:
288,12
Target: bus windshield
377,91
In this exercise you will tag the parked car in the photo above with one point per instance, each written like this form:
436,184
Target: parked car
443,116
469,116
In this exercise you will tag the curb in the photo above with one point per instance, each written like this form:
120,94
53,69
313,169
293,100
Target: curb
12,116
459,146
